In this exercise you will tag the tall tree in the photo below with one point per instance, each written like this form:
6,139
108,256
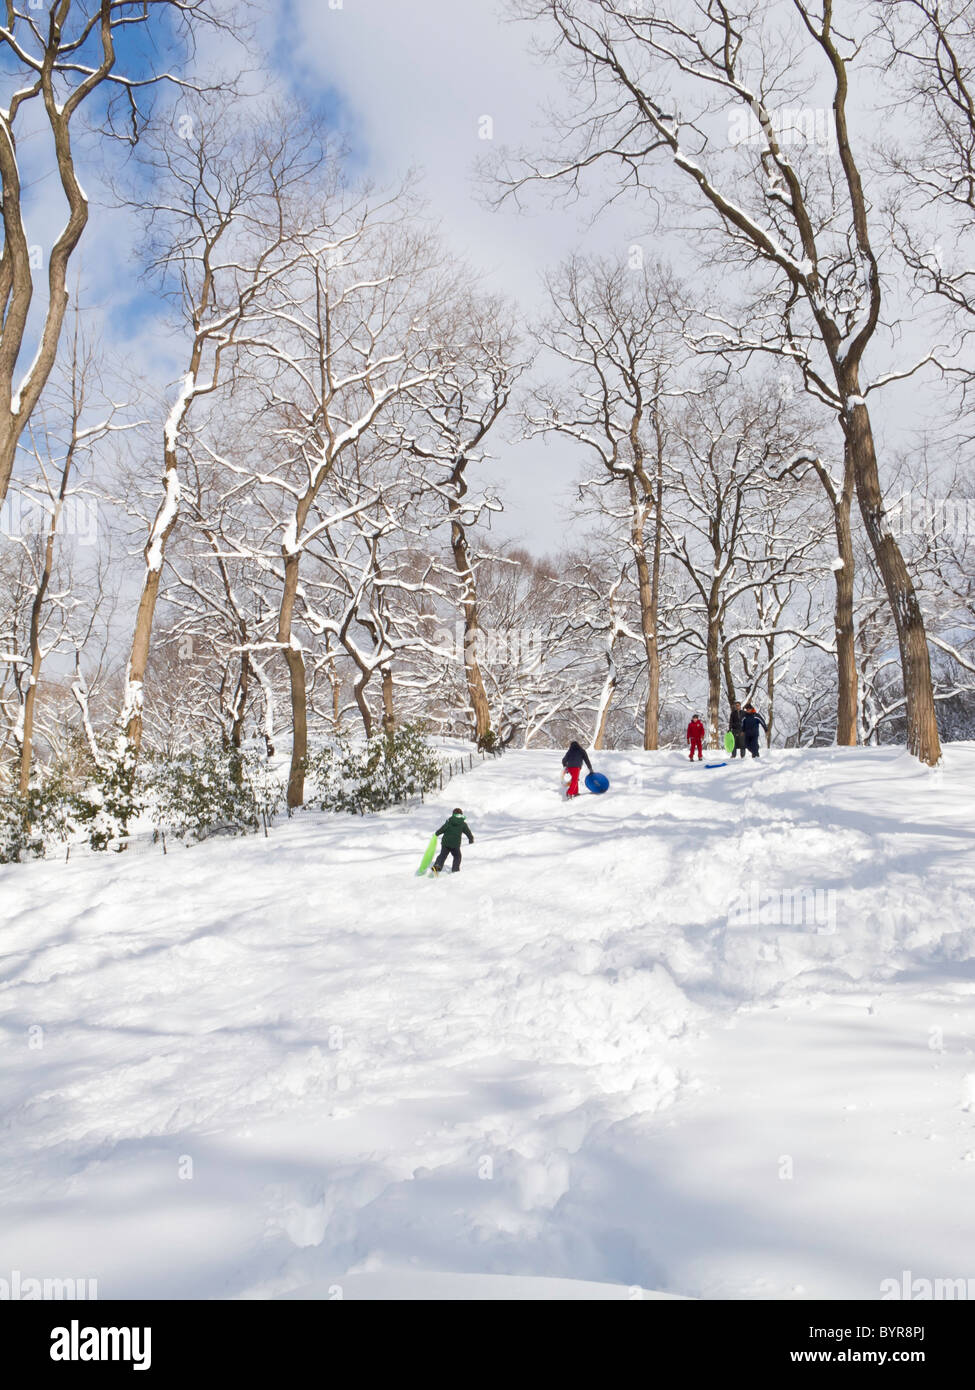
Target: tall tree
721,526
64,53
220,223
649,81
615,331
56,446
346,333
456,411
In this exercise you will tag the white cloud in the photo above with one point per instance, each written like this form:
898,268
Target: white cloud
418,83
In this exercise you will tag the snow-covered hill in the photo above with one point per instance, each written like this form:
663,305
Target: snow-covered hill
712,1034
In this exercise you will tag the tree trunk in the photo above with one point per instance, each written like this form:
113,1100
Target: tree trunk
846,661
769,689
462,563
268,694
847,678
651,713
162,529
729,679
645,587
238,707
334,683
27,729
27,732
359,691
296,673
79,689
16,281
37,608
922,723
651,722
240,702
605,699
155,556
714,672
647,581
139,657
389,715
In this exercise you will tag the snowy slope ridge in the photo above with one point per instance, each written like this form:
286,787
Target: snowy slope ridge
711,1034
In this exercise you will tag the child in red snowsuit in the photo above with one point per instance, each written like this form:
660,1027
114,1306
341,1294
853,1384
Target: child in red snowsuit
695,737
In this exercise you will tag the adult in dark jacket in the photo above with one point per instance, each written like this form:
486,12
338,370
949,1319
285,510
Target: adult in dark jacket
453,828
573,760
751,722
734,726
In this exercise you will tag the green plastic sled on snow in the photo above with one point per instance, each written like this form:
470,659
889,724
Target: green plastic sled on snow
729,742
428,854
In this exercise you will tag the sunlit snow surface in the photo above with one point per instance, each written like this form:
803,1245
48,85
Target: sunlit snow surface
584,1067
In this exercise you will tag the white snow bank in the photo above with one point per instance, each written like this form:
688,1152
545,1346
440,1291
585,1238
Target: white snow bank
710,1034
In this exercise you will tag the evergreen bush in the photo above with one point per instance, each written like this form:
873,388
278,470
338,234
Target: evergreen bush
386,769
212,788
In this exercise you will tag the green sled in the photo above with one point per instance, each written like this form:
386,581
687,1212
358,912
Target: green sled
428,854
729,742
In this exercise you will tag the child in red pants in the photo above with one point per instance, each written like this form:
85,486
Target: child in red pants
695,737
572,762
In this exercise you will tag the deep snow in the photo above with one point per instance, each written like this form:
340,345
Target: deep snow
289,1067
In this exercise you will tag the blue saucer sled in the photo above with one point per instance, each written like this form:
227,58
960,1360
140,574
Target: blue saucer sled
597,783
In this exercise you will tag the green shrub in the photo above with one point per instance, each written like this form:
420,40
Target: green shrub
216,787
197,792
110,798
19,839
265,786
386,769
47,814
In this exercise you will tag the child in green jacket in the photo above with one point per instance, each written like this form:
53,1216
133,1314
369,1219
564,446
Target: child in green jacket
452,830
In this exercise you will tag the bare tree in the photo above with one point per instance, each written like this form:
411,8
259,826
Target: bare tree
721,524
839,492
650,80
599,610
615,330
787,558
63,53
456,411
345,334
55,453
220,227
930,55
